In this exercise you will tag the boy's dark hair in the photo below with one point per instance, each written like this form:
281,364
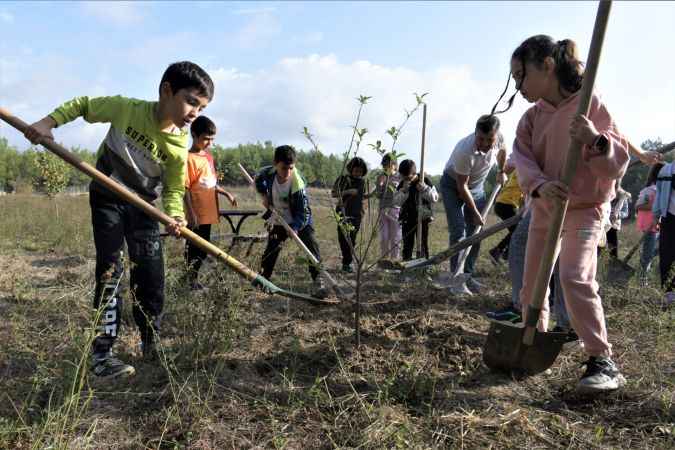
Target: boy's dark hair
387,159
285,154
202,125
407,167
487,123
569,69
357,162
653,174
188,75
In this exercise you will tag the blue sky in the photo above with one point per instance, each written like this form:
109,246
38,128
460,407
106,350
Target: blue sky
281,66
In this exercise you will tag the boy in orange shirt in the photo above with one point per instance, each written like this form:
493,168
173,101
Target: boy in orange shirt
201,196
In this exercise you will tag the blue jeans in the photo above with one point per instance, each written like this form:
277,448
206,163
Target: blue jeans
460,226
648,250
517,249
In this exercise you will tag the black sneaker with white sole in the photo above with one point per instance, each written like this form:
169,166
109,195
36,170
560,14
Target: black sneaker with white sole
601,375
108,367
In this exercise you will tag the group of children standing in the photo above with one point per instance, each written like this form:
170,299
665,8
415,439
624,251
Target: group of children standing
399,191
146,147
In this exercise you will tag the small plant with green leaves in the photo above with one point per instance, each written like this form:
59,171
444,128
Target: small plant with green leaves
53,175
362,247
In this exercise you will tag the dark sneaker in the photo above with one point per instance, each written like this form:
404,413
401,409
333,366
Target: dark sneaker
508,314
108,367
319,289
495,256
347,268
601,375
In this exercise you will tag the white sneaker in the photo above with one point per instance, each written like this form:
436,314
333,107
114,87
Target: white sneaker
601,375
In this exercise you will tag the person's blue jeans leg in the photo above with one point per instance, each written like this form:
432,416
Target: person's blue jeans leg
480,199
517,248
559,310
454,213
648,251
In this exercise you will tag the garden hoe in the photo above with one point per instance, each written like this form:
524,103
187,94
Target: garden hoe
120,191
339,291
525,349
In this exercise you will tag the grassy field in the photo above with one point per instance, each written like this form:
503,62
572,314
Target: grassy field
243,370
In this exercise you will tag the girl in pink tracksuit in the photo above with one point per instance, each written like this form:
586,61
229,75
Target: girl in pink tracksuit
549,74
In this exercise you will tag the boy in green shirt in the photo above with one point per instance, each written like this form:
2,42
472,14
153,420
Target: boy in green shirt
145,150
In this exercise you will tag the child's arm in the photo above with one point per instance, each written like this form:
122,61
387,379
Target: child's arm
647,157
402,193
230,197
530,175
428,191
501,164
337,188
190,213
97,109
605,149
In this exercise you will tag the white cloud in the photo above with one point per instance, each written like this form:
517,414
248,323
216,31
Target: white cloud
117,13
320,91
6,17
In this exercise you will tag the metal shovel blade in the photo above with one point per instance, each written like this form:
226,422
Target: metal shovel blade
504,349
619,271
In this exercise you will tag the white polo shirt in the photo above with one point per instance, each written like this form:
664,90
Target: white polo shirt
466,159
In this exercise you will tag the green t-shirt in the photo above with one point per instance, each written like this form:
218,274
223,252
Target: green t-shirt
135,151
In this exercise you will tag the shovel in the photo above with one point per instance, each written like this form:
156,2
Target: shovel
517,348
457,281
461,245
619,270
120,191
339,291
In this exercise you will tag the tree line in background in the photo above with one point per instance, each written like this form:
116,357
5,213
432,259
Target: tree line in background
33,170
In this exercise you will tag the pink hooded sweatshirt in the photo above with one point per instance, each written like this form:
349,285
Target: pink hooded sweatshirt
541,145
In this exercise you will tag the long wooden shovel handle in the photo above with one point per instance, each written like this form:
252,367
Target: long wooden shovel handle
484,214
421,175
573,156
135,200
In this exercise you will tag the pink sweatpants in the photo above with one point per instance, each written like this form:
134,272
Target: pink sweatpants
578,264
390,234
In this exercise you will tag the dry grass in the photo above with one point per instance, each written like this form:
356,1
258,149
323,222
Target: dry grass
242,370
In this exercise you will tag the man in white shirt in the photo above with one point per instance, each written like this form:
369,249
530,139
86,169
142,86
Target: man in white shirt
463,185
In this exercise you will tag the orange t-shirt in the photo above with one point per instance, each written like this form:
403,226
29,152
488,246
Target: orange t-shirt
201,183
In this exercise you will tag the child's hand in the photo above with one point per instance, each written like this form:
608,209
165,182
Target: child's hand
266,202
583,130
174,227
554,190
421,187
40,130
350,192
650,157
233,200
